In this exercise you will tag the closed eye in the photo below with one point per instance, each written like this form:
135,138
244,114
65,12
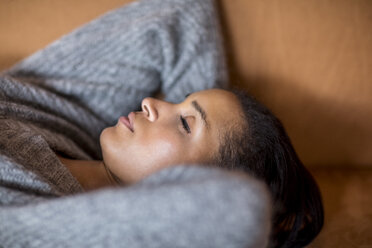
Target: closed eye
185,124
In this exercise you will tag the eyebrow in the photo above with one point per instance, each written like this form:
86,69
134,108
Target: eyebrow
201,111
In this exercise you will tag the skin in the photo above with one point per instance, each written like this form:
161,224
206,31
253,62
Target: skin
159,139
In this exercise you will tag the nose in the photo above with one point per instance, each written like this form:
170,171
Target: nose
149,107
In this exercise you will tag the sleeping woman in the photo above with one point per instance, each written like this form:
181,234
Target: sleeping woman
80,115
222,128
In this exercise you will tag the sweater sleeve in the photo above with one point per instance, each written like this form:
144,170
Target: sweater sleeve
110,64
181,206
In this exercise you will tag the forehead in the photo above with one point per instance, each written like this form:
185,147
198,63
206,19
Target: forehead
222,107
223,113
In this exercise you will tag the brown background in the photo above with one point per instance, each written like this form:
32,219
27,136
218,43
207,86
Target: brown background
310,61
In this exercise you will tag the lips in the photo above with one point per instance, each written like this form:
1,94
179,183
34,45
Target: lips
128,121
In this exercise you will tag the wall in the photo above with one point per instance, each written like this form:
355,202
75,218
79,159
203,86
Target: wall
311,63
308,61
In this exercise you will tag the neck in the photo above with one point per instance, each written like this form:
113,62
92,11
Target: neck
91,174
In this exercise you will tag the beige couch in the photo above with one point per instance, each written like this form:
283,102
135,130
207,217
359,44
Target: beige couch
310,61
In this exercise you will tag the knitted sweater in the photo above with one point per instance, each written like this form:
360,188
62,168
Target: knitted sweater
61,98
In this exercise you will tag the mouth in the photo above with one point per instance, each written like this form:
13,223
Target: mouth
128,121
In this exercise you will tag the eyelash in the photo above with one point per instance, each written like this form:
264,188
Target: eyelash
185,124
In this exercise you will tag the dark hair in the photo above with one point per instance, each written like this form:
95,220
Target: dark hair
262,148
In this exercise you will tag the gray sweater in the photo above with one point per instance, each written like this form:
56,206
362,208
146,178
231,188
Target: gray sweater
62,97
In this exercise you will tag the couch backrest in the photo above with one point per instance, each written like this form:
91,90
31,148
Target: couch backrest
311,63
308,61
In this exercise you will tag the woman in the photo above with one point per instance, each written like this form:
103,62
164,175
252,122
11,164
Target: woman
214,127
61,100
165,134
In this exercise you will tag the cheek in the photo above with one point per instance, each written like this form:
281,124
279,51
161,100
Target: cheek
159,150
149,156
135,157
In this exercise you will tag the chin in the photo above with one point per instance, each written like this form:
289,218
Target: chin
106,134
104,140
102,136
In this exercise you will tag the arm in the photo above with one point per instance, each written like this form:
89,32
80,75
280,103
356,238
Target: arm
182,206
86,80
110,64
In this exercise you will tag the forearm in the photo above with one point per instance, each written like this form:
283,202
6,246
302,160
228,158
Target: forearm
183,206
110,64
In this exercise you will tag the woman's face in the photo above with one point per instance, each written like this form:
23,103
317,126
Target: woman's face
166,134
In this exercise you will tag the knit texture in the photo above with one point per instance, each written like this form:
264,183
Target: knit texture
62,97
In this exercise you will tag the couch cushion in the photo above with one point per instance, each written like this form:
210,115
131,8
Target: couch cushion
347,200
